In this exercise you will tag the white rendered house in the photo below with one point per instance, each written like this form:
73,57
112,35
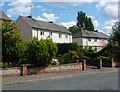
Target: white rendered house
31,27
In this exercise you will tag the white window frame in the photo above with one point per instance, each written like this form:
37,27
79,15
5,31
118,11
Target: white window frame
60,35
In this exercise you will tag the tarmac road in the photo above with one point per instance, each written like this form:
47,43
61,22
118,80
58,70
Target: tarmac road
102,81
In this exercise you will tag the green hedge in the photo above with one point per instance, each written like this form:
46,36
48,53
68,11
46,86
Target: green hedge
70,57
65,47
40,52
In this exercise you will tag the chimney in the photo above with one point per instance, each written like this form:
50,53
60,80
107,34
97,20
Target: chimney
50,22
96,30
29,17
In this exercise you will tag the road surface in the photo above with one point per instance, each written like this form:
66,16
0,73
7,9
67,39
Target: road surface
105,81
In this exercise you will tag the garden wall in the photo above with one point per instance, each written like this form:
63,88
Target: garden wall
10,72
59,68
38,70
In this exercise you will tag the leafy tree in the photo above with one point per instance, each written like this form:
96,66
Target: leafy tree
74,29
40,52
84,22
113,47
12,43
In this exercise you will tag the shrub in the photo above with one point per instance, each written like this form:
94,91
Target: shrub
40,52
54,62
65,47
12,43
70,57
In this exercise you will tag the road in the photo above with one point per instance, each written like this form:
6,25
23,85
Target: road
106,81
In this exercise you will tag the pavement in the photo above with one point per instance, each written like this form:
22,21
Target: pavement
57,75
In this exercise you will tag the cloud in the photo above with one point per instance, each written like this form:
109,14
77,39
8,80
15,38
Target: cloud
110,8
39,6
92,17
19,7
48,17
68,24
40,18
111,11
108,29
110,22
2,4
95,22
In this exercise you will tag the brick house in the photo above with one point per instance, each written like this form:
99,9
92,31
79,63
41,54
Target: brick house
31,27
91,39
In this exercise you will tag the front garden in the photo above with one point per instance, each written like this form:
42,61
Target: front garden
39,53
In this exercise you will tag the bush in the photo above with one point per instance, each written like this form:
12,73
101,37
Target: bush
70,57
54,62
12,43
40,52
89,53
65,47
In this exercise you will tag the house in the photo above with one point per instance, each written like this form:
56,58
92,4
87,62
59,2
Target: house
3,16
91,39
31,27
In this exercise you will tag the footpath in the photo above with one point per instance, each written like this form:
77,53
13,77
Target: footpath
50,76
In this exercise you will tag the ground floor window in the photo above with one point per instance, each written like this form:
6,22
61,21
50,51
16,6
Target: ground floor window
95,49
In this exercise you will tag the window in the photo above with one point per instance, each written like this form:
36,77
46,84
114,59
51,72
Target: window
66,36
41,32
90,47
95,49
60,35
102,40
95,39
89,39
50,34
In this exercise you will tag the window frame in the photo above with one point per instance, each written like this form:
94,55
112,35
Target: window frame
95,39
89,39
60,35
66,35
41,32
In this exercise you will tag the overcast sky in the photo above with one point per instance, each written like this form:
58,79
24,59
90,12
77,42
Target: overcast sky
103,12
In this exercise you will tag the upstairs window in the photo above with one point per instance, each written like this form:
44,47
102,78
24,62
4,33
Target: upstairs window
60,35
42,32
95,39
89,39
66,35
50,34
102,40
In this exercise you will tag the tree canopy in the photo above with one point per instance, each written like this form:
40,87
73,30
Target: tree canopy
12,43
84,22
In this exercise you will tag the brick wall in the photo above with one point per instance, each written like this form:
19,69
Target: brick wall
59,68
38,70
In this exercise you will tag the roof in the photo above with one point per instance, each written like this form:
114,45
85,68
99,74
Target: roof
3,15
86,33
45,25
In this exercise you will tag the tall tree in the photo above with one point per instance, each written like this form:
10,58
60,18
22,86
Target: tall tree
12,43
84,22
74,29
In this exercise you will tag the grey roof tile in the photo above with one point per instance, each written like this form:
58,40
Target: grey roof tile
45,25
3,15
85,33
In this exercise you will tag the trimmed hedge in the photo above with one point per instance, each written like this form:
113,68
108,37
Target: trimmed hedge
65,47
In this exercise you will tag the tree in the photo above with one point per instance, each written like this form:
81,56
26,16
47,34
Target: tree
84,22
40,52
12,43
113,47
74,29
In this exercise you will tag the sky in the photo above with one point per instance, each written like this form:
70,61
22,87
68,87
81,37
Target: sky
104,13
